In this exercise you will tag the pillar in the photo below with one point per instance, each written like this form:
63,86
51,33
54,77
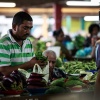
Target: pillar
82,23
57,15
68,22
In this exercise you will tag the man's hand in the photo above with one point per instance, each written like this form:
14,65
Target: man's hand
34,61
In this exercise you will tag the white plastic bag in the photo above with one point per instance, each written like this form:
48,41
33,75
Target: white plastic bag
37,69
45,71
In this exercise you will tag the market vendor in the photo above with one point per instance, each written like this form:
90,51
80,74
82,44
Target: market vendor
53,70
64,53
15,48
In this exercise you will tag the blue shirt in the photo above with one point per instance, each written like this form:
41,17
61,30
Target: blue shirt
97,54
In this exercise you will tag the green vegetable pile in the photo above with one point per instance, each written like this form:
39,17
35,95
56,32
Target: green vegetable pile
58,82
58,86
40,45
74,67
60,64
73,81
56,90
39,56
79,41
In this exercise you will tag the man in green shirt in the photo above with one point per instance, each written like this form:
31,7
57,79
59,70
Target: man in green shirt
15,48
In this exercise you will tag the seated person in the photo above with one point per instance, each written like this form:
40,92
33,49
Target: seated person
53,70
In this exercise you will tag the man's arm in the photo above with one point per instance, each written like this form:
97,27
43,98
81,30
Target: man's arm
97,83
97,87
6,70
94,48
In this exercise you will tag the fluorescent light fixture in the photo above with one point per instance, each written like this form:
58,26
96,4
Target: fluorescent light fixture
7,4
91,18
94,0
82,3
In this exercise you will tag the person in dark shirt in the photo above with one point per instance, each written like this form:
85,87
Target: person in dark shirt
93,31
53,70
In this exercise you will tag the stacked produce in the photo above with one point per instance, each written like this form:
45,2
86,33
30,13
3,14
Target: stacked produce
79,66
75,83
76,65
66,85
85,71
36,81
15,81
58,86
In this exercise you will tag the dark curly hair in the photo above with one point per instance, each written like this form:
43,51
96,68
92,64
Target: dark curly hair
57,32
90,29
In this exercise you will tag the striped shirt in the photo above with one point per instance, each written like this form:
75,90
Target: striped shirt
12,54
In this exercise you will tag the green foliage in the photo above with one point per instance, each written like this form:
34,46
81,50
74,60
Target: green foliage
58,82
73,78
55,90
79,41
74,67
59,62
39,56
40,45
70,83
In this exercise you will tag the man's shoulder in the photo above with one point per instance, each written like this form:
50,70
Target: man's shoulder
28,41
4,39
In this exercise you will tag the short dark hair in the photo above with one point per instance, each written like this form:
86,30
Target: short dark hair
20,17
90,29
57,32
54,33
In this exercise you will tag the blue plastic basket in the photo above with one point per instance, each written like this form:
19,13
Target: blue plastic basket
93,71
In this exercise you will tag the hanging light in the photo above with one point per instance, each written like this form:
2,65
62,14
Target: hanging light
7,4
82,3
91,18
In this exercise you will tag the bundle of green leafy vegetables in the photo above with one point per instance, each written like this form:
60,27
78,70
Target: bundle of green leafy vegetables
39,56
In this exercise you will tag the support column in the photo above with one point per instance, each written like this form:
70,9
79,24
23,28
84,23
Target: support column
57,15
82,23
68,22
25,10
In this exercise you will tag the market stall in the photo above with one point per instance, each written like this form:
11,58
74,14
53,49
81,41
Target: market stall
29,85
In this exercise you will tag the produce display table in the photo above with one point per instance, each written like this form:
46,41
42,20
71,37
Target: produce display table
71,96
